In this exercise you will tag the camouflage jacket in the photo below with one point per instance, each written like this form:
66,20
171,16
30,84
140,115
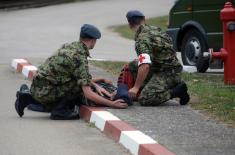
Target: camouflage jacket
68,64
157,46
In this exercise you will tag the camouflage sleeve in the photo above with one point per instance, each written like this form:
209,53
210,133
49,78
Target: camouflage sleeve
142,46
143,50
82,71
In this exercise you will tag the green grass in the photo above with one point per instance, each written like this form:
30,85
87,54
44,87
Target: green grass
113,67
212,96
208,92
91,124
125,31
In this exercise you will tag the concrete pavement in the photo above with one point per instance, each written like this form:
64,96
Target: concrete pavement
36,134
39,32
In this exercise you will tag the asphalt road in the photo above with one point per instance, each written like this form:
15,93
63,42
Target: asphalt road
38,32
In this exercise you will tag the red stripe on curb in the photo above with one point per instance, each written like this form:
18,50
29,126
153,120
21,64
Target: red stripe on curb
85,111
21,65
31,74
113,129
153,149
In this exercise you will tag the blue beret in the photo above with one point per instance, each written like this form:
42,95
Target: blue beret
134,13
90,31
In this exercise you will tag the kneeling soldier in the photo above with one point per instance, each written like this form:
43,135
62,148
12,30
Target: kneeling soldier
63,80
157,70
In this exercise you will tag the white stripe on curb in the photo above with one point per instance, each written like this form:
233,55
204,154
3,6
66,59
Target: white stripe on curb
100,117
132,139
15,62
27,69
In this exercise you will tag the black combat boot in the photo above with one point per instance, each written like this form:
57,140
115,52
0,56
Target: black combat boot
22,99
64,110
181,91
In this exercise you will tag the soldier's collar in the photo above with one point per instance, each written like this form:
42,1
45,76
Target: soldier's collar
86,50
139,31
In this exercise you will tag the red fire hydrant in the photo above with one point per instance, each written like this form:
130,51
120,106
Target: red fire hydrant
227,53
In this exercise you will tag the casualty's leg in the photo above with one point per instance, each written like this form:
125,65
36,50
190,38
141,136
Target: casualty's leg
128,74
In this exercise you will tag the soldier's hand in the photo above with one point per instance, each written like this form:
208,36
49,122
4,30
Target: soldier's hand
113,95
119,103
133,92
101,91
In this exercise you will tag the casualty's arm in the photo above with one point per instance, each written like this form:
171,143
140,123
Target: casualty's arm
101,91
89,94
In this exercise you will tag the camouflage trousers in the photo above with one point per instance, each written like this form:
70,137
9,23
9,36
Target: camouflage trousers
157,90
48,94
157,86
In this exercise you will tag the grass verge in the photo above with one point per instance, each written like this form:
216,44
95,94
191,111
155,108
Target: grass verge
208,92
125,31
112,67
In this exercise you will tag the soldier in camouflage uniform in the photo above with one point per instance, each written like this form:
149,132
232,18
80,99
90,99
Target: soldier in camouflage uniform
157,70
64,80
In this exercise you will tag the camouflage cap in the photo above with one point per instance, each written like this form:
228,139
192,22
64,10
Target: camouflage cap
90,31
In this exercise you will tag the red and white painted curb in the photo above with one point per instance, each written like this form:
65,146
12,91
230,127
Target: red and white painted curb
24,67
134,140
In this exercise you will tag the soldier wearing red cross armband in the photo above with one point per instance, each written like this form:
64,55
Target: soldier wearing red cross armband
155,75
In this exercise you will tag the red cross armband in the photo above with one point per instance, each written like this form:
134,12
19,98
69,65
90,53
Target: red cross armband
144,59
